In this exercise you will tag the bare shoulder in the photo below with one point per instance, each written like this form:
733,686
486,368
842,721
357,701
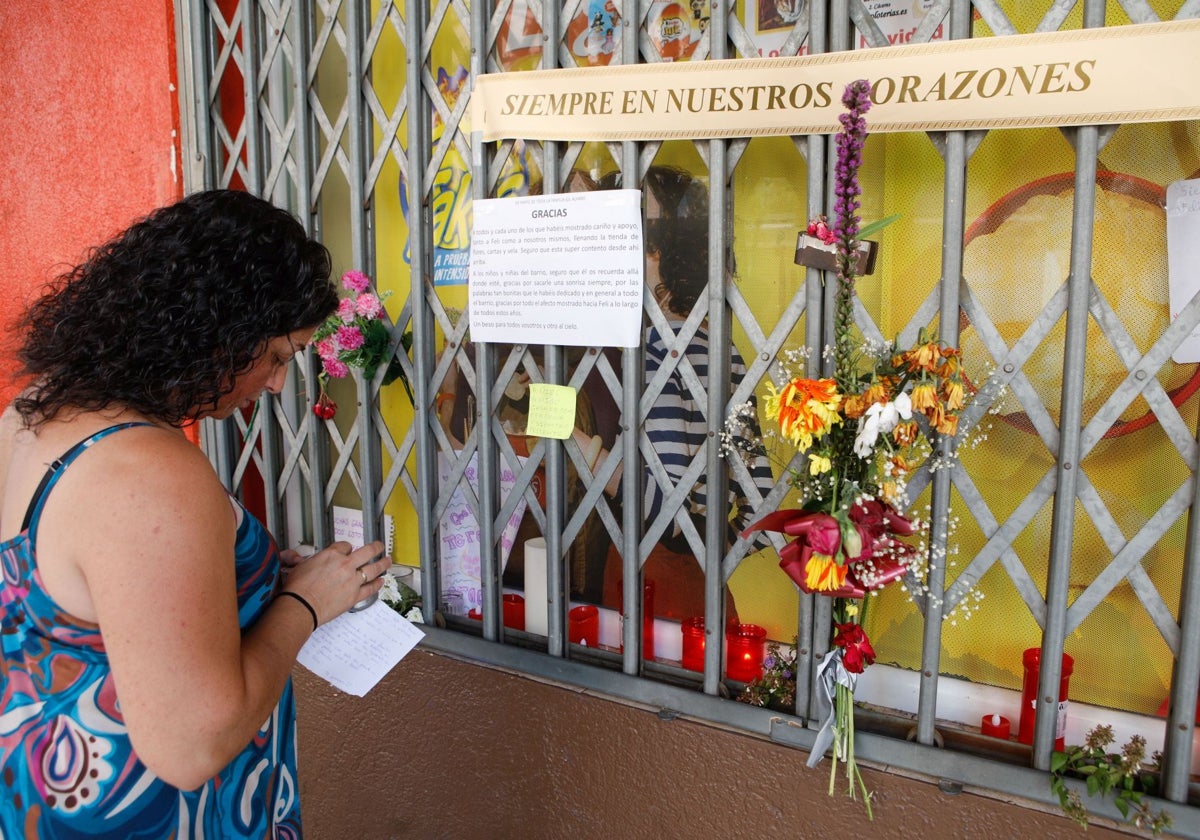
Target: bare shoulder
148,465
135,497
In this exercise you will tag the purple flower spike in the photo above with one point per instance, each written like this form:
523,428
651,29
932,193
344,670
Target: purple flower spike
846,190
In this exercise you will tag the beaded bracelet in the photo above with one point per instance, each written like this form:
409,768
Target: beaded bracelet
307,605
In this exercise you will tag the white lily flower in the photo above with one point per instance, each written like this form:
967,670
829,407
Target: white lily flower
868,433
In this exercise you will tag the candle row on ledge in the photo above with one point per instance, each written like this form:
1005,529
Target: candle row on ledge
745,644
745,647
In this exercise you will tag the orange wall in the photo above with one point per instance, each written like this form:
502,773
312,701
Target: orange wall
88,135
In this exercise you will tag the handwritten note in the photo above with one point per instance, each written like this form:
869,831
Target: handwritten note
348,526
551,411
355,650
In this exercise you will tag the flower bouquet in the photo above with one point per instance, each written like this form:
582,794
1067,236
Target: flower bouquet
858,431
357,336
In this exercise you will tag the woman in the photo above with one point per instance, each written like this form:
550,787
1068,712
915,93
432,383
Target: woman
148,627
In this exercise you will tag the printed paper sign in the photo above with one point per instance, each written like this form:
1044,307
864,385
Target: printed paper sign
558,269
1183,258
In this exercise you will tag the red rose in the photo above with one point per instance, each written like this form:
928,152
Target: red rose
857,651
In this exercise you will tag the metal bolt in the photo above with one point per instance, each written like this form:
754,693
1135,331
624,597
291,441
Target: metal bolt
1066,465
1140,375
1008,368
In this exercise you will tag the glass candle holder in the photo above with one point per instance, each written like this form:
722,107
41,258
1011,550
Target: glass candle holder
583,626
745,646
693,643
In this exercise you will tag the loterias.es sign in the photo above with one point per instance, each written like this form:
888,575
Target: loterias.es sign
1121,74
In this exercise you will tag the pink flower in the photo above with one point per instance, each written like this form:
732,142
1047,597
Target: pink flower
368,306
356,281
349,338
345,310
326,348
335,368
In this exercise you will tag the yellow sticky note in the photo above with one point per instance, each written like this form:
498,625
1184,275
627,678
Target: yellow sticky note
551,411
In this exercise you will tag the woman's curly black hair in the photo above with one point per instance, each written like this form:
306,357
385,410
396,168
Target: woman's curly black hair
161,318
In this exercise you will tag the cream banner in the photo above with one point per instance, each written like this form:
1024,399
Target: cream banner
1140,73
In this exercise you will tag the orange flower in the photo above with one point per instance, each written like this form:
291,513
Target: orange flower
952,392
805,408
924,397
925,357
824,574
945,424
879,392
854,406
905,433
948,425
951,362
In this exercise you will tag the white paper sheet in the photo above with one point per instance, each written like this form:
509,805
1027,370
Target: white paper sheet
565,268
355,650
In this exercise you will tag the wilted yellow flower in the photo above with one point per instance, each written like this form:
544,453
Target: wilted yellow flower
905,433
952,391
951,362
945,424
854,406
924,357
924,397
879,392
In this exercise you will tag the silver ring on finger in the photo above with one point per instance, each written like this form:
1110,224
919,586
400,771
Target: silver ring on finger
363,572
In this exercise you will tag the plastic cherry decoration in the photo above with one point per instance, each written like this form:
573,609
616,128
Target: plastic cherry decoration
325,408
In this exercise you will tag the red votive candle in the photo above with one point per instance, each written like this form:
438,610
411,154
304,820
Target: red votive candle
648,620
693,643
583,625
996,726
745,645
1031,659
514,611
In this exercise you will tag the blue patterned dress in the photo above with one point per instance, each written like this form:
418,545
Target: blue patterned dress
67,768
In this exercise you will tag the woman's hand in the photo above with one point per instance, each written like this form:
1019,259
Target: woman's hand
336,578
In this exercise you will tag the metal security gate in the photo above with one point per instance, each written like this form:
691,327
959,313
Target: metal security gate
338,110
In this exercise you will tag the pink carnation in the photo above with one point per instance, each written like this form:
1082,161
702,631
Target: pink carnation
335,368
345,310
368,306
349,338
326,348
356,281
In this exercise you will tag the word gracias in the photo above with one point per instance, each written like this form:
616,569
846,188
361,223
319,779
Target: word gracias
1056,77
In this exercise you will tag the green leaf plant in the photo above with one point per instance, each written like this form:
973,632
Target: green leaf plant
1125,776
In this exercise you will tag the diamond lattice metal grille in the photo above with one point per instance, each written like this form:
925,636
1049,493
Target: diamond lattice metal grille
355,115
